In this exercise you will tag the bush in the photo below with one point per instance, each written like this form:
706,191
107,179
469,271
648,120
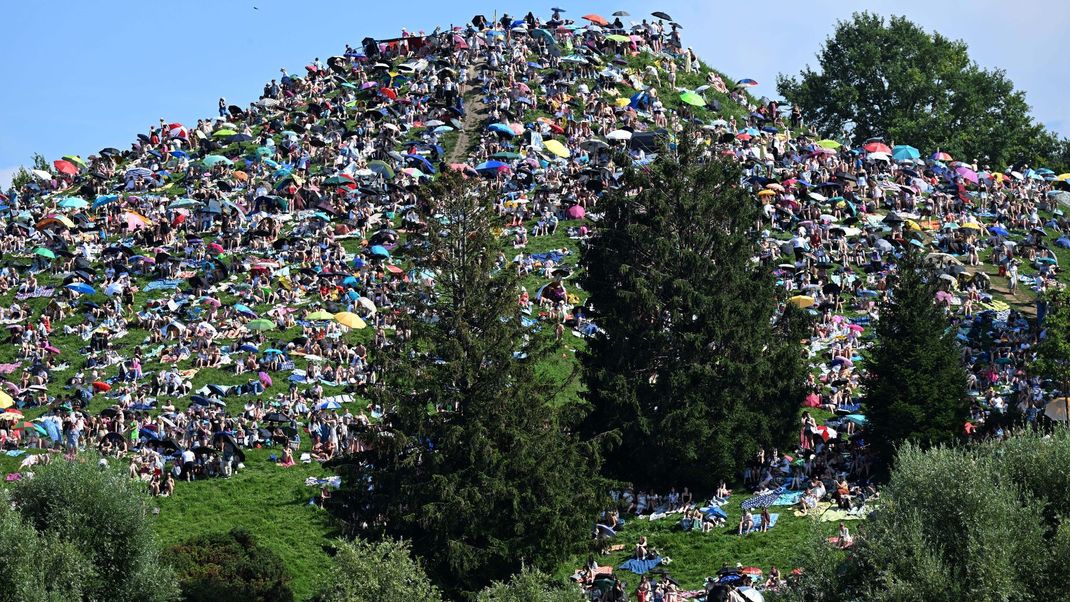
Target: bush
221,567
104,516
382,571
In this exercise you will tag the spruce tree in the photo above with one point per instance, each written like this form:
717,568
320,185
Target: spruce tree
695,370
472,465
916,388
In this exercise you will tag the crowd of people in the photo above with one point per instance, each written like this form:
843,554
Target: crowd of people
228,285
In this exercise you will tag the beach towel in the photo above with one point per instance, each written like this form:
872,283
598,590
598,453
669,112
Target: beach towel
714,511
639,566
788,498
41,291
756,523
157,285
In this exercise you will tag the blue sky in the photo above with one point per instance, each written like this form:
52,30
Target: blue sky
80,76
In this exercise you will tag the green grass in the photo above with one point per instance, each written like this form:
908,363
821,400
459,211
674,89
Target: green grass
697,555
270,502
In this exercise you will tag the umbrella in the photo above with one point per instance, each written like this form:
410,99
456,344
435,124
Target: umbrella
557,148
877,147
596,19
802,301
746,83
905,152
661,15
501,128
135,221
73,203
693,99
261,324
619,135
328,405
81,287
350,319
967,174
379,251
940,156
43,252
65,167
6,401
213,160
41,174
1058,409
224,132
320,315
825,432
576,212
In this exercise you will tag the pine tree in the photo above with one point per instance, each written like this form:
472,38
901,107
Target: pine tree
474,466
692,374
916,389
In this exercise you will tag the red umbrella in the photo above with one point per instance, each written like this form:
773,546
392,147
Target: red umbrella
597,20
177,130
216,247
825,432
101,386
389,93
65,167
393,269
13,411
751,571
877,147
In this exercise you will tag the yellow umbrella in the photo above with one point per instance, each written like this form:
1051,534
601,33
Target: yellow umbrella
6,401
828,144
350,319
766,192
56,218
622,102
802,301
557,148
1063,176
913,225
971,226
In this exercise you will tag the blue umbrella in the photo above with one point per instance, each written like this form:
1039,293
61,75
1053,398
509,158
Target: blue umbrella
905,152
179,154
244,309
350,281
274,352
379,251
73,202
328,405
81,287
104,200
422,161
358,262
998,231
248,347
501,128
490,165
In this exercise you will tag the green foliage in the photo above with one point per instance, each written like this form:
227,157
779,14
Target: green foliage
530,585
916,386
103,515
1053,351
690,376
893,79
474,466
224,567
980,523
381,571
44,568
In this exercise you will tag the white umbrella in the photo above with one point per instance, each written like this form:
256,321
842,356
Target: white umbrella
751,594
1057,409
41,174
368,304
619,135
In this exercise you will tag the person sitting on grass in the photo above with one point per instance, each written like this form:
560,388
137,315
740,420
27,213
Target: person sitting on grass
766,520
746,523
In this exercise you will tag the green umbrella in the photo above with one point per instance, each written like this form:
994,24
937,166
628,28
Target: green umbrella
224,133
320,315
184,204
260,324
618,38
693,99
505,155
43,252
382,168
212,160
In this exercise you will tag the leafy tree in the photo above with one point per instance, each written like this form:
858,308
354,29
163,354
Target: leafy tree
473,464
221,567
382,571
984,522
916,388
104,515
894,79
691,375
43,568
530,585
1052,358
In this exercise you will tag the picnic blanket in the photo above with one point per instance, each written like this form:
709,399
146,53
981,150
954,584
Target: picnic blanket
760,501
835,515
40,291
788,498
756,522
639,566
156,285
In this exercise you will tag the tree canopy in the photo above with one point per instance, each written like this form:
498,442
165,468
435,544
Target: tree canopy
530,585
382,571
984,522
103,515
474,464
221,567
891,78
916,387
692,373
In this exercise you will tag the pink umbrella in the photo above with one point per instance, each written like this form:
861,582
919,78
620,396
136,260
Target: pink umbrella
812,400
967,174
944,297
843,361
216,247
51,349
211,301
855,328
576,212
265,379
